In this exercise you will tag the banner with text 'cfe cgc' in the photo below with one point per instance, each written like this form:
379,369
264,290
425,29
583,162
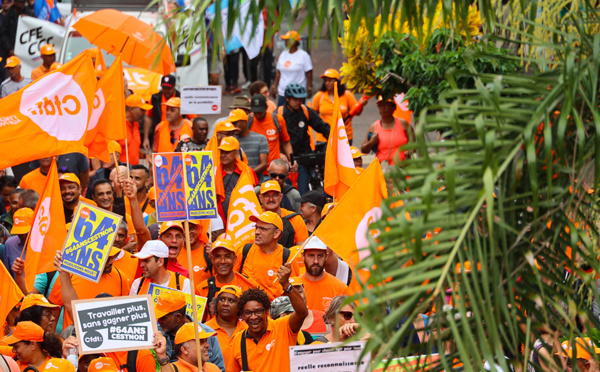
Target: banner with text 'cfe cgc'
114,324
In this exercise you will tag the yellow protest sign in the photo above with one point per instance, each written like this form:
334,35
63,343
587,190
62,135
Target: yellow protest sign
155,290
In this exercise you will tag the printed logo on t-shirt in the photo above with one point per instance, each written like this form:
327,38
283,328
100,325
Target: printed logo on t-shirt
197,268
270,345
326,302
287,64
271,132
270,273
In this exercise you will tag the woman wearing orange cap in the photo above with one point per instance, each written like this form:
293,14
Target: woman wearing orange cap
32,346
36,308
293,66
387,134
323,102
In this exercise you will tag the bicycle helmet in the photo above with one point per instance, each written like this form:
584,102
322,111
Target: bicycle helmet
295,90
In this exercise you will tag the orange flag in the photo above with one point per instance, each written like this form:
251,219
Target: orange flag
98,60
345,228
243,204
340,173
48,116
48,231
108,113
10,295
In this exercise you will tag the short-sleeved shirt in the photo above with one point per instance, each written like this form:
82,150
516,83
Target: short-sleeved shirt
224,339
73,162
239,280
198,264
263,269
323,104
320,293
271,353
35,180
184,366
144,362
169,283
293,68
253,145
274,137
9,87
128,264
298,224
39,71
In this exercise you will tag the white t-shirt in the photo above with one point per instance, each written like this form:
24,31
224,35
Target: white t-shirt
293,68
343,271
187,288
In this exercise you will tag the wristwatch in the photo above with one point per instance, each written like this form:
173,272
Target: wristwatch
289,289
163,361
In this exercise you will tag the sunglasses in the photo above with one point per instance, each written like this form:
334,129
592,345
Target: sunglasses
347,314
278,175
173,137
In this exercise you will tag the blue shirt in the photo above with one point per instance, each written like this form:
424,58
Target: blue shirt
12,251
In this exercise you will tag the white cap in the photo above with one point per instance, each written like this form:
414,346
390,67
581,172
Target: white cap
315,243
153,248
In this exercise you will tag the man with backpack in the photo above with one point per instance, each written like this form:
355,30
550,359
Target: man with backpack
294,230
261,260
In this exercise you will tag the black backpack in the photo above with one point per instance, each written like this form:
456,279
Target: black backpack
286,255
287,235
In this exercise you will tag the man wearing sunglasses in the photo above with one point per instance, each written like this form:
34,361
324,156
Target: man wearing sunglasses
169,131
279,170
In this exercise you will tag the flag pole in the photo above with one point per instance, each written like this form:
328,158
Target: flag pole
127,157
188,249
297,253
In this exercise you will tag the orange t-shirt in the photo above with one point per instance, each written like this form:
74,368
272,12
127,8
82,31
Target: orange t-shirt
133,141
224,339
263,269
143,363
298,224
39,71
34,180
238,280
320,293
323,105
162,136
199,264
23,366
271,106
272,351
115,283
127,264
184,366
268,129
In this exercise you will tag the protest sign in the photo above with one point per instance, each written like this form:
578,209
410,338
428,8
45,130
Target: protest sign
114,324
185,189
199,185
169,187
32,34
142,82
89,241
333,357
155,290
414,363
201,100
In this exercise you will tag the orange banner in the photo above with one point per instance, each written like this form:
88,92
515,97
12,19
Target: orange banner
48,231
48,116
10,295
243,204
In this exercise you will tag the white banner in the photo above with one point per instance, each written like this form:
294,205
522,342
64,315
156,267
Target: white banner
32,34
332,357
201,100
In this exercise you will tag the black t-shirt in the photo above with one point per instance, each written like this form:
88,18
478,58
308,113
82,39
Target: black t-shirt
73,162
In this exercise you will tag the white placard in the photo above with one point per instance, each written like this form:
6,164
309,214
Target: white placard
32,34
332,357
201,100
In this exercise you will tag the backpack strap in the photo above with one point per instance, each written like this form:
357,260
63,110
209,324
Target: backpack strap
212,289
244,352
349,276
286,255
177,275
276,121
141,284
175,367
49,277
305,109
209,264
250,121
291,215
245,255
131,358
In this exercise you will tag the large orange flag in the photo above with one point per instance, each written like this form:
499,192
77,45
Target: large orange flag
49,116
10,295
345,228
48,231
108,113
243,204
340,173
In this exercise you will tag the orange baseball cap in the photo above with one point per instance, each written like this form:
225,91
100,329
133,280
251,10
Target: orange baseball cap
225,126
269,217
113,146
169,224
69,177
579,349
291,35
25,331
47,50
237,114
224,243
23,219
55,66
270,186
168,302
36,299
231,289
331,73
58,364
133,100
326,209
151,194
356,152
114,251
12,61
381,99
173,102
229,144
103,364
186,333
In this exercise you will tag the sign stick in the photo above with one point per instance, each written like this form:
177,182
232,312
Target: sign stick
186,224
296,255
127,157
114,155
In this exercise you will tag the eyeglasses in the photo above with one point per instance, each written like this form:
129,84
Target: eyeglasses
347,314
278,175
257,312
172,137
227,299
